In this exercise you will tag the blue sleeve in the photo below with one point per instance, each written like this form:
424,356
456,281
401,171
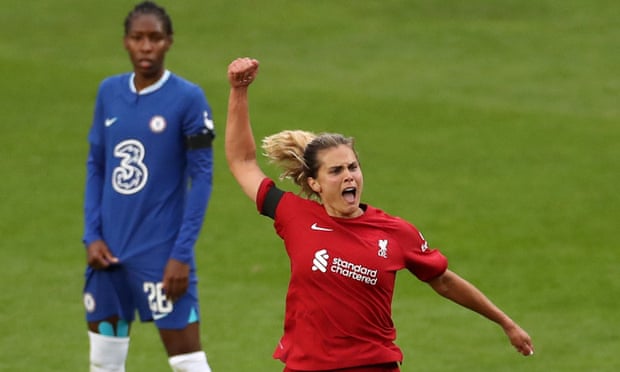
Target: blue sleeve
200,164
95,166
200,171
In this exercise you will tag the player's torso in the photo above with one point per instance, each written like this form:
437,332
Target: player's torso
342,281
353,253
143,139
342,261
145,169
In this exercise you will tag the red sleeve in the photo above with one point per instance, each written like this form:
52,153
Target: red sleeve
424,262
261,194
426,265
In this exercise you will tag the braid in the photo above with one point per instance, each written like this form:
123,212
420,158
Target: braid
149,7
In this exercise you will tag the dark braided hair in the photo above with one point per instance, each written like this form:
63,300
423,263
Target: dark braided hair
149,7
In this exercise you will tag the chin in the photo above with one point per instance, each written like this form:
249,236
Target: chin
351,211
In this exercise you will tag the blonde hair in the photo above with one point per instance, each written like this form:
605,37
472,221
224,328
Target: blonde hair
296,153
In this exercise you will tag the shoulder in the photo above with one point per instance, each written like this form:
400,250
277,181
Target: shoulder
185,85
271,198
189,93
373,212
390,221
116,79
292,205
115,82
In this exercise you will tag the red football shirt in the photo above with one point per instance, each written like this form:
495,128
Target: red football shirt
339,301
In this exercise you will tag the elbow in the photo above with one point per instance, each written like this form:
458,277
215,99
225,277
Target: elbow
239,153
238,164
441,284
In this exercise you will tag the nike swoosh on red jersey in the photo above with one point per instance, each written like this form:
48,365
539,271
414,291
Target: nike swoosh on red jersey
316,227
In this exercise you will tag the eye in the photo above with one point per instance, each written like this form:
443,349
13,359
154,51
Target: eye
157,37
336,170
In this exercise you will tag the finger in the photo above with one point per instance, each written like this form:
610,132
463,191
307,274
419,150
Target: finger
172,293
238,65
110,258
168,290
243,66
99,263
180,287
94,263
242,72
244,79
526,350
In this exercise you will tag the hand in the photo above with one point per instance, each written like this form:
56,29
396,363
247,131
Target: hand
176,279
519,339
242,72
98,255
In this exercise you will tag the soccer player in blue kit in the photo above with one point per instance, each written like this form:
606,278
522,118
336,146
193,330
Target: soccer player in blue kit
149,179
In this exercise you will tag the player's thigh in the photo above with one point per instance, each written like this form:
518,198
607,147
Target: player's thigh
107,297
181,341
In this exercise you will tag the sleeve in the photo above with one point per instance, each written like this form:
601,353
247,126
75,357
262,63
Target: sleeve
198,126
199,132
95,168
268,197
423,262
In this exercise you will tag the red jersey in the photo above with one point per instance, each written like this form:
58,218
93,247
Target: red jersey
339,301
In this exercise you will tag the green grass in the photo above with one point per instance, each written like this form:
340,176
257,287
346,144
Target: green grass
494,126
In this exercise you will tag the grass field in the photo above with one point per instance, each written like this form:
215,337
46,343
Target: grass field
494,126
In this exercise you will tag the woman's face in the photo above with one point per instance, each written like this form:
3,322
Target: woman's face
147,43
339,182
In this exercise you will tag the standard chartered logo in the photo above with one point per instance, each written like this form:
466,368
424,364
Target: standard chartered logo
320,261
343,268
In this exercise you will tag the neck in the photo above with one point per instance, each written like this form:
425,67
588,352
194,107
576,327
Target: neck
142,81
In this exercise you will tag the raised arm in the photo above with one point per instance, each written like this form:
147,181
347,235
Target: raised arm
239,142
457,289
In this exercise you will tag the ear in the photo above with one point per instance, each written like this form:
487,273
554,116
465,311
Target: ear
314,185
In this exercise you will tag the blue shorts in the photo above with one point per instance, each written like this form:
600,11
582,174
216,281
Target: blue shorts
119,291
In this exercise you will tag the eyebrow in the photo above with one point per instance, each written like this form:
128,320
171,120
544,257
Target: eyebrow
337,167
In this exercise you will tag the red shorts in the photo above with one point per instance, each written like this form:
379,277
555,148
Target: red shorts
385,367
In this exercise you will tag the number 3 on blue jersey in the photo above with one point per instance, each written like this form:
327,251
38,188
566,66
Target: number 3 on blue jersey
131,174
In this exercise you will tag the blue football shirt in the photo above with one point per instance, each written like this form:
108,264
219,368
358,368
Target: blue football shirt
146,190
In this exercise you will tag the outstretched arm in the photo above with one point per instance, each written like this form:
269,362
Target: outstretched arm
457,289
239,142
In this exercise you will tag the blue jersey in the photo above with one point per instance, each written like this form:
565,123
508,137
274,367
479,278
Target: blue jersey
149,170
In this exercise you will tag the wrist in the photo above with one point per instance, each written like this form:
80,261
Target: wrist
507,324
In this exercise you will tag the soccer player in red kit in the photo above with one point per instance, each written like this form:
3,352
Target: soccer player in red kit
344,254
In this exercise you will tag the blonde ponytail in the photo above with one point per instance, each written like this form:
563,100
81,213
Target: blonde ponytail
296,152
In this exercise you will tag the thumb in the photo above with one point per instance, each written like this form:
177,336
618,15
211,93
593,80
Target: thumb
110,257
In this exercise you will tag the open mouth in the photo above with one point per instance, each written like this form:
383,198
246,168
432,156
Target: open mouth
349,194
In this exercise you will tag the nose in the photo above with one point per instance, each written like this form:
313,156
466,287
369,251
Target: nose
348,175
146,44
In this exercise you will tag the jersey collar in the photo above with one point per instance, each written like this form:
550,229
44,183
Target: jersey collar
151,88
